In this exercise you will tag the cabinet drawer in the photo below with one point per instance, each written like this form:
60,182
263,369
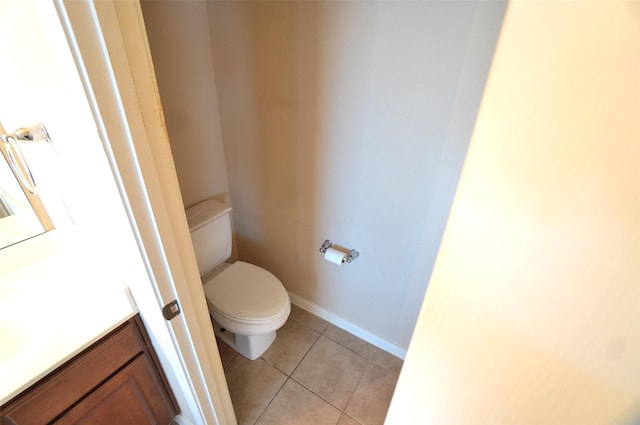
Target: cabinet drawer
50,397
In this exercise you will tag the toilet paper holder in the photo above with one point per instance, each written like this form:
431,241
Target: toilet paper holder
348,257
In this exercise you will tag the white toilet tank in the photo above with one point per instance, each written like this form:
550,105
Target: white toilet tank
210,227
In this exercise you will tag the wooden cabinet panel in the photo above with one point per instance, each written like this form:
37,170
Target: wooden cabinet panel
130,397
118,379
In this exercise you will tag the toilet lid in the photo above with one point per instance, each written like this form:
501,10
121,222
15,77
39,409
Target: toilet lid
247,293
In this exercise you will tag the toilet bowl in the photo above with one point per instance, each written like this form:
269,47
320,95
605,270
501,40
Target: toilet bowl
246,302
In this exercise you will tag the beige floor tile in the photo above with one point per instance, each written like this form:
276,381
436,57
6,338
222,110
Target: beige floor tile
350,341
308,319
331,371
387,360
371,399
295,405
346,420
252,385
226,353
292,343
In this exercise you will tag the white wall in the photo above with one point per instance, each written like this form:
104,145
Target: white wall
101,237
349,121
178,35
533,310
72,173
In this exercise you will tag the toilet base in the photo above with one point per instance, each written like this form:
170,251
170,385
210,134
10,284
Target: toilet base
250,346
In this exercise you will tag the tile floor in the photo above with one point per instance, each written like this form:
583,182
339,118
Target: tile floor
313,374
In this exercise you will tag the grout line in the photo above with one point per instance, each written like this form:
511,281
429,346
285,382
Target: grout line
305,355
303,385
352,418
356,387
342,410
319,396
345,325
319,334
370,362
232,358
271,401
366,358
229,364
348,348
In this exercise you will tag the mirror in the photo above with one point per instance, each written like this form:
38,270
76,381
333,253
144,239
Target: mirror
22,214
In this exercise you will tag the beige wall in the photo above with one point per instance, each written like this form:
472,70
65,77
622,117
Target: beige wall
533,311
349,121
178,35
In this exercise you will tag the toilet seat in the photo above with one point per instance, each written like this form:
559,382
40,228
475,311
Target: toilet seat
247,299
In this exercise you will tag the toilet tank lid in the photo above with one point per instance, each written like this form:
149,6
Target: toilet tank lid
204,212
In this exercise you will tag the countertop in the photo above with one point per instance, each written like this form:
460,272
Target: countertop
51,311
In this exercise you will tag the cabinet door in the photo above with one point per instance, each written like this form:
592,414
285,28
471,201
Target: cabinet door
54,394
134,396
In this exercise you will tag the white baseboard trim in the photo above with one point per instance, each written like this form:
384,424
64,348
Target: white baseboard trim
305,304
180,420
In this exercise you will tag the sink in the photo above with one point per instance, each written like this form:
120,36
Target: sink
19,347
13,336
50,313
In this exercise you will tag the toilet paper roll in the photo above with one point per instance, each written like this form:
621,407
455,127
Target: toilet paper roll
334,256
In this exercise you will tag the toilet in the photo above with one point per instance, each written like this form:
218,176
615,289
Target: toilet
246,302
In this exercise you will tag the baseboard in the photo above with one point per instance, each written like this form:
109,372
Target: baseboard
347,326
180,420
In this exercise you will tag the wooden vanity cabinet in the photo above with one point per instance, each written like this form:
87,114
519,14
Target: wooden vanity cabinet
117,380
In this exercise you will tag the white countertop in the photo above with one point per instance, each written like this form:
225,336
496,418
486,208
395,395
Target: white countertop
49,312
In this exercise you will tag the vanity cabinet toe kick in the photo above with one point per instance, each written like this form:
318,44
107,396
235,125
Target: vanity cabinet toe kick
117,380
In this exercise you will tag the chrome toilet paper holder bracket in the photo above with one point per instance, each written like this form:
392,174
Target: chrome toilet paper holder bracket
348,257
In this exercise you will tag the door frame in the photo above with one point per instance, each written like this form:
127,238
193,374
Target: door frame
109,44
